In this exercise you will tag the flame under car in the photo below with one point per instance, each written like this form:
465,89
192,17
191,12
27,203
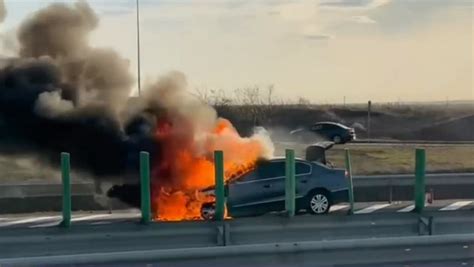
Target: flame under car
262,190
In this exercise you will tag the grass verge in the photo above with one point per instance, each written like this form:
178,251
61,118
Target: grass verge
396,159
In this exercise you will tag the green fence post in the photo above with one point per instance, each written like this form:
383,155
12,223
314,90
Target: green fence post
420,168
66,179
145,187
219,189
349,181
290,183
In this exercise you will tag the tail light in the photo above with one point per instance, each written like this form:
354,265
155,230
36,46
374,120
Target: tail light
346,173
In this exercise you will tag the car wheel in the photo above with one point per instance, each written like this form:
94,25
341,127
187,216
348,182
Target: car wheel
337,139
319,202
208,211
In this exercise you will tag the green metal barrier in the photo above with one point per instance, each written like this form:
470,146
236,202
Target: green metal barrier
349,181
420,169
219,189
66,179
290,183
145,187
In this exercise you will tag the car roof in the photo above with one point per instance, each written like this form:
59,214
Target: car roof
331,123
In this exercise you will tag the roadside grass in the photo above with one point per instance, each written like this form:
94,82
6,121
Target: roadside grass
397,159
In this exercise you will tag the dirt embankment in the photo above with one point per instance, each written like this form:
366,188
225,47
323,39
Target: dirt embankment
407,122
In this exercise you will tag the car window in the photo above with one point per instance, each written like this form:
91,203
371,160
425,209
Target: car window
250,176
302,168
317,127
271,170
331,127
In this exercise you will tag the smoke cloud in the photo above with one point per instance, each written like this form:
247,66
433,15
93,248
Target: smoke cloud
61,94
94,76
3,11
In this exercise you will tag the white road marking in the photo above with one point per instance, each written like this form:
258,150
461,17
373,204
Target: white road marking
29,220
338,207
125,215
90,217
372,208
457,205
407,209
50,224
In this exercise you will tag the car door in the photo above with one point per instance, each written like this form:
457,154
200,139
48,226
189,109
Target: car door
254,192
276,192
333,130
303,172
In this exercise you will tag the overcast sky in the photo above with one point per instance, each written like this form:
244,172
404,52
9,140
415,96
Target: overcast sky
384,50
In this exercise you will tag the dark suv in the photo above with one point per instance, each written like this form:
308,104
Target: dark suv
262,190
331,131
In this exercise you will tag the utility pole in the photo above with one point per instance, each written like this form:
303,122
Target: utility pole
138,50
369,110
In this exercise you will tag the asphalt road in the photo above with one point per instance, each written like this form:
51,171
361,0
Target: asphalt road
52,219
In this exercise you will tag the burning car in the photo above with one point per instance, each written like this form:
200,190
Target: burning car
262,190
257,189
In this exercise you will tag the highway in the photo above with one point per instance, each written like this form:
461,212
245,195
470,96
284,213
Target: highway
380,231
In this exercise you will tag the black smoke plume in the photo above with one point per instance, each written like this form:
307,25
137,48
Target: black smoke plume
60,94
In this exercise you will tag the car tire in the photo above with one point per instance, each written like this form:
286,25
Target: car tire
319,202
208,211
337,139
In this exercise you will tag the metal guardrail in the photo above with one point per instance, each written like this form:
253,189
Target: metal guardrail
43,190
47,197
409,179
421,142
329,239
365,251
49,189
401,187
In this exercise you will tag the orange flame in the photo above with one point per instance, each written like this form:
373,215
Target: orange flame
186,165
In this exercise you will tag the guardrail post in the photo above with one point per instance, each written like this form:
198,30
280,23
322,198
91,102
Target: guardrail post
290,183
349,181
66,179
420,169
145,187
219,188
